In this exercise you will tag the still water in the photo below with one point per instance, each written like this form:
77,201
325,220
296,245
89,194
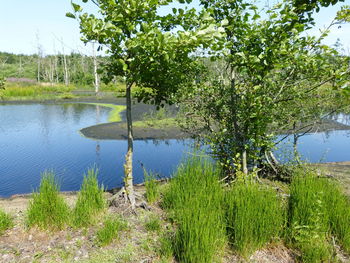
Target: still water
39,137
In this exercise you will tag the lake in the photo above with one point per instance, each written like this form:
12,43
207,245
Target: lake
39,137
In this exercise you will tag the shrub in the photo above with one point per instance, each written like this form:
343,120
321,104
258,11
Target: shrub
195,199
5,222
254,216
90,200
48,209
110,230
152,189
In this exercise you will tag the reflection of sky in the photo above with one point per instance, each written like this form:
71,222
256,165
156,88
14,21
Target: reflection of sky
37,137
331,146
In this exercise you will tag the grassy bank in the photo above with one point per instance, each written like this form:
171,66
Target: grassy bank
30,91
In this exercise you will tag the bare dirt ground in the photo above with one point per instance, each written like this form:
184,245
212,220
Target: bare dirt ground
340,171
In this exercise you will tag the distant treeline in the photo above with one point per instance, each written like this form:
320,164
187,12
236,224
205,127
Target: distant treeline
70,69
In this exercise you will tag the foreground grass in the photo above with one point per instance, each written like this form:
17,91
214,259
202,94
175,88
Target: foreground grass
254,216
110,230
90,201
318,210
5,222
47,209
194,199
152,187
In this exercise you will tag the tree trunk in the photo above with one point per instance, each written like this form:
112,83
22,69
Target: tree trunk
128,179
97,84
244,162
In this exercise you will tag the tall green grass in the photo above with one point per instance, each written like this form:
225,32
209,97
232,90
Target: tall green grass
308,217
194,199
48,209
338,208
254,216
5,222
152,188
90,200
318,209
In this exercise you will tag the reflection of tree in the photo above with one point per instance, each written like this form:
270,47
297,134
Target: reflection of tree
98,146
327,134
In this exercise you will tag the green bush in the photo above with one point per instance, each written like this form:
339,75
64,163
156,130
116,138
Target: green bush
5,222
90,200
254,216
48,209
152,189
194,198
110,230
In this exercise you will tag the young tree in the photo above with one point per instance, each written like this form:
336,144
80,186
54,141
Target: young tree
266,64
144,51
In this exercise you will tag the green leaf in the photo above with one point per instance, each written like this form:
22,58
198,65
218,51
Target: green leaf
224,22
77,8
70,15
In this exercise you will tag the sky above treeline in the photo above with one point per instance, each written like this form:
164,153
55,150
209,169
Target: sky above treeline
24,25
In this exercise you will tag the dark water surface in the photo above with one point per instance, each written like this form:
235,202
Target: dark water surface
39,137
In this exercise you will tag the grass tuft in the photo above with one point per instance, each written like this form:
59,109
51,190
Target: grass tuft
152,189
90,200
5,222
254,216
166,246
48,209
195,200
110,230
153,223
318,209
308,217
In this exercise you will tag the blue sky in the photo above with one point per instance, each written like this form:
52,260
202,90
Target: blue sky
23,21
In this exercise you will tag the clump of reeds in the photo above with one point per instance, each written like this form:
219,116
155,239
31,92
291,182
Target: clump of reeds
90,200
48,209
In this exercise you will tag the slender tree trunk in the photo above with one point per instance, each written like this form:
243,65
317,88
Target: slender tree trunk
66,77
295,144
38,74
244,162
97,84
128,178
